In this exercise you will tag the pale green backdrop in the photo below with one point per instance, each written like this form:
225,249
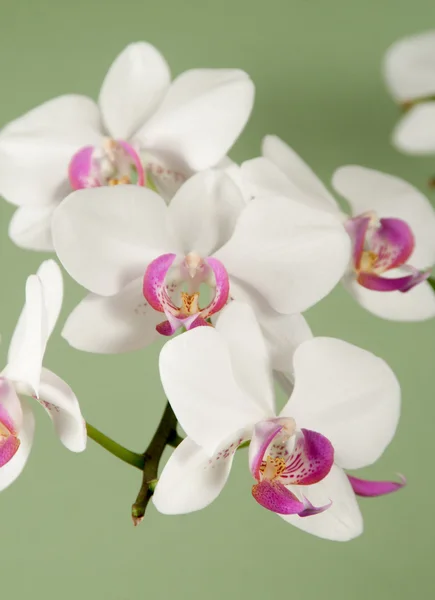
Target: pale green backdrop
65,529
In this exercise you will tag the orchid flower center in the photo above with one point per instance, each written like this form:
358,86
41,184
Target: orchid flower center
173,285
379,247
115,162
285,459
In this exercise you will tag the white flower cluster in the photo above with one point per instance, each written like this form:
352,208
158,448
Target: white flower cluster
136,196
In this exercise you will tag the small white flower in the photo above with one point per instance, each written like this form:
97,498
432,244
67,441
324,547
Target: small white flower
342,414
409,70
25,375
144,130
391,226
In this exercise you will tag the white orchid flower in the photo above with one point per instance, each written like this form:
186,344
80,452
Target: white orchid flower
145,262
144,130
409,69
342,414
25,375
391,225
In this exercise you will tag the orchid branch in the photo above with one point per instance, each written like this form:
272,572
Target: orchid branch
431,281
132,458
165,435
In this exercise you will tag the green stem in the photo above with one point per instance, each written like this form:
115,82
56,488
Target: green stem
132,458
165,435
431,281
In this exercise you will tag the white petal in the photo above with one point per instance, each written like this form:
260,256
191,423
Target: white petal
10,471
190,480
415,132
114,324
282,333
389,196
199,382
35,149
204,211
418,304
30,227
62,405
132,89
409,67
342,521
291,254
50,276
105,237
201,116
299,174
348,395
249,354
29,339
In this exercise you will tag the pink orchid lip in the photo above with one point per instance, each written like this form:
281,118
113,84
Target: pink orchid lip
9,442
86,170
373,489
274,496
280,465
380,246
157,293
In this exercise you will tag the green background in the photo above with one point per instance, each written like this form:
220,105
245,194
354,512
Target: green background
65,529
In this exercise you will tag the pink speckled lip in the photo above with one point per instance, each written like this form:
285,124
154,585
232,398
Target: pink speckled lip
156,292
9,442
380,246
283,461
85,168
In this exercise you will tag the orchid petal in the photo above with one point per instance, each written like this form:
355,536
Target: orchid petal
204,211
28,342
134,86
12,469
299,174
371,489
282,333
249,357
417,304
36,148
62,406
342,521
409,67
129,223
353,399
289,253
415,132
112,325
191,480
30,227
391,197
200,382
201,116
50,276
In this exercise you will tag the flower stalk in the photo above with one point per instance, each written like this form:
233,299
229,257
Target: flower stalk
132,458
165,435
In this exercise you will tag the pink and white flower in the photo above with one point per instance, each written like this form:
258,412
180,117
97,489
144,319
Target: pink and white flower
342,414
145,263
391,226
24,375
144,130
409,70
